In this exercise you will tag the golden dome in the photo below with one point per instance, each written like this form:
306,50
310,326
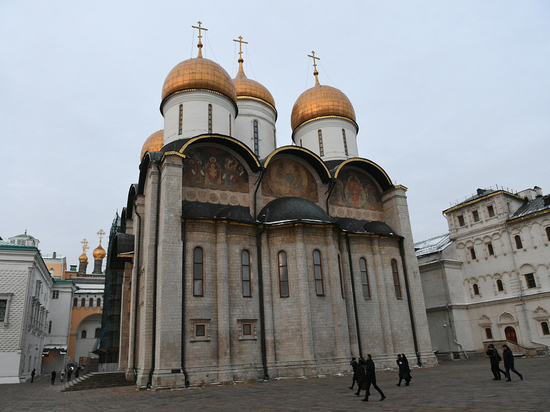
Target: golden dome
154,143
99,252
251,89
199,74
321,101
83,258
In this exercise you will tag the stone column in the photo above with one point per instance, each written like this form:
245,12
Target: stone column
222,297
302,276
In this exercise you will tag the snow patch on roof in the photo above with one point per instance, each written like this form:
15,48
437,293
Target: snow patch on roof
432,245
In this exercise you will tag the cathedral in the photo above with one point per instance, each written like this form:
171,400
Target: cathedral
242,260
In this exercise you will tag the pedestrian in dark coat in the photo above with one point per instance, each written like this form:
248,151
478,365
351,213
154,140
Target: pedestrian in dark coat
361,376
495,359
371,379
404,369
355,367
32,375
53,377
509,363
69,373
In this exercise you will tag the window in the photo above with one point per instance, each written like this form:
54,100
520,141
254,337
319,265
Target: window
75,302
545,330
345,142
475,215
530,280
500,286
200,330
209,118
98,302
283,275
321,148
91,302
318,270
55,294
198,284
517,239
50,326
488,333
83,302
245,259
256,149
472,253
341,277
491,210
548,232
84,334
490,249
230,125
97,332
180,129
476,289
461,220
247,329
3,306
364,277
396,283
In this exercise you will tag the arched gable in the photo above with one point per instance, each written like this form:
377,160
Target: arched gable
379,175
307,155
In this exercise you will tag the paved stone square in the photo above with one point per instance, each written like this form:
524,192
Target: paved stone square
464,385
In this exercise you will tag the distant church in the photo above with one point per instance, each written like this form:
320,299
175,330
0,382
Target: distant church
241,260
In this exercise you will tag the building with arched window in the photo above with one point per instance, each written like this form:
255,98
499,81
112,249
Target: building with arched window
249,261
488,279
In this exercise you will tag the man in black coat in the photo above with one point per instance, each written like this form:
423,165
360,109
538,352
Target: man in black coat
404,369
370,377
361,376
53,376
509,363
355,366
495,359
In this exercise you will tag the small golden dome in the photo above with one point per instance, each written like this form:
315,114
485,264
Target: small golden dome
99,252
154,143
248,88
321,101
199,74
83,258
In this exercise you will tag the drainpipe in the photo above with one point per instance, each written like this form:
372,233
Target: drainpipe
261,297
256,190
136,288
329,191
354,299
406,277
183,240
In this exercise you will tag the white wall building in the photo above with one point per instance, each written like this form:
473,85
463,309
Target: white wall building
488,279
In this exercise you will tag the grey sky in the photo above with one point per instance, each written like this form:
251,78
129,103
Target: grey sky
449,95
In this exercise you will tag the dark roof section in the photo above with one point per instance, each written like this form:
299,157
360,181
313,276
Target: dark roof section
123,244
540,204
198,210
363,226
480,194
286,209
379,228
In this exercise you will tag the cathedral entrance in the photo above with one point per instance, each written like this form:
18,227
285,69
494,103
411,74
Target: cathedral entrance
511,334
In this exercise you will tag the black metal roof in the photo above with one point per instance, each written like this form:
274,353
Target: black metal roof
198,210
537,205
292,209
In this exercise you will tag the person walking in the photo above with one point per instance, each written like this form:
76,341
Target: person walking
361,376
53,376
62,375
404,369
69,373
495,359
509,363
355,367
32,375
371,379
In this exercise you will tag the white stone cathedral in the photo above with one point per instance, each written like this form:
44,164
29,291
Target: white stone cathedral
244,261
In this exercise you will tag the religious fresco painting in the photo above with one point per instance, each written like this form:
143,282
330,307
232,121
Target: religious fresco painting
287,177
354,188
215,168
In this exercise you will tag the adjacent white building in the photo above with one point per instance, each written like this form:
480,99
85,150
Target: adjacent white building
488,279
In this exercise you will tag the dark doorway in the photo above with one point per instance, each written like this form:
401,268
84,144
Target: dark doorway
511,334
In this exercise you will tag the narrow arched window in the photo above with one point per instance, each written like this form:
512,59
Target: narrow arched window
98,302
490,249
75,302
476,289
180,128
341,277
472,253
548,233
209,118
488,333
519,245
97,332
364,277
545,330
229,124
83,302
198,278
396,283
500,286
283,275
84,334
321,147
256,138
345,142
318,270
245,261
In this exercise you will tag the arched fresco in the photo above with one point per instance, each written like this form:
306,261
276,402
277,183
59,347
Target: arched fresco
354,188
287,177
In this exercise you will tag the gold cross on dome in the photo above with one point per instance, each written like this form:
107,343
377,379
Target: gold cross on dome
315,72
200,37
240,41
101,233
85,246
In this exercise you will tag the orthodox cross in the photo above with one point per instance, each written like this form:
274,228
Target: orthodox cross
200,37
101,233
315,72
240,41
85,246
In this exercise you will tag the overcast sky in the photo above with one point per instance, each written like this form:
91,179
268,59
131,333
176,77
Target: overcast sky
450,96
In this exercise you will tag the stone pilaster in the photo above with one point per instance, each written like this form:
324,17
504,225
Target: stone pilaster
222,301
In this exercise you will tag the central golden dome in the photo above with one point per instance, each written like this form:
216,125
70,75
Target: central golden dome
321,101
154,143
99,252
199,74
251,89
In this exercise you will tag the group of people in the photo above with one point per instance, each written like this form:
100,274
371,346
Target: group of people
495,359
364,374
68,372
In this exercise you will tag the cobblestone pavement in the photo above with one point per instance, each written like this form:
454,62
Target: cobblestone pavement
465,385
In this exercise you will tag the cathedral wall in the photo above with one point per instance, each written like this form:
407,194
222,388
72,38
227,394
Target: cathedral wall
250,110
307,136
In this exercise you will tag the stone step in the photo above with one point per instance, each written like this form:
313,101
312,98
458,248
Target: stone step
97,380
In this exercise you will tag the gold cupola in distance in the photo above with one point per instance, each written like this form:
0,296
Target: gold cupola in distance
154,143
